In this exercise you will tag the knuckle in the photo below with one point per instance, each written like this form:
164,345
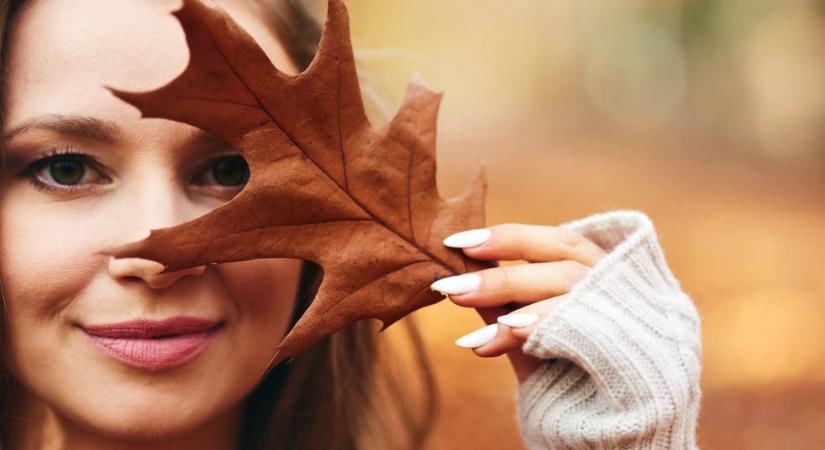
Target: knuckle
505,279
570,238
574,271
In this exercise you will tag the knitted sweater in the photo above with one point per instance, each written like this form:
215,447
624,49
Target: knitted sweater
622,351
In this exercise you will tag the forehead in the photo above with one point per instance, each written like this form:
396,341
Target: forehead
62,53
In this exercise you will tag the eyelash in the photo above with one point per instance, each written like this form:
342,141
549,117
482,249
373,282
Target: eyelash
41,161
53,154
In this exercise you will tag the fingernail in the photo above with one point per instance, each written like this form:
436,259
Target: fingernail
460,284
469,238
478,337
518,320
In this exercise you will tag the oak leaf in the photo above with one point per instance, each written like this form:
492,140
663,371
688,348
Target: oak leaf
325,185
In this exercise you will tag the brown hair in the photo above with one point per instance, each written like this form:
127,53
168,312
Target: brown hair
344,392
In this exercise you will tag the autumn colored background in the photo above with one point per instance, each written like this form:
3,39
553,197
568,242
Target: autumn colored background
706,114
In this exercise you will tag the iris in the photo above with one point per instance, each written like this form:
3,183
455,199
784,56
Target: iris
68,170
230,171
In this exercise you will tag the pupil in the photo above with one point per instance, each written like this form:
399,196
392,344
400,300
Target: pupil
230,171
67,171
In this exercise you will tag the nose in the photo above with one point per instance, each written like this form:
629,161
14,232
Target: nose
154,201
148,271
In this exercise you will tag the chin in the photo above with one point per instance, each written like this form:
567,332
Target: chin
142,405
146,416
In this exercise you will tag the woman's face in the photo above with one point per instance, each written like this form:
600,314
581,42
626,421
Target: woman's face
109,177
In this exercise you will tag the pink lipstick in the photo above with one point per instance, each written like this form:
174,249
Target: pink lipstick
154,345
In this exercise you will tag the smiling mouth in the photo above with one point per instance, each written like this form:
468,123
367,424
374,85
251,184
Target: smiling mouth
154,345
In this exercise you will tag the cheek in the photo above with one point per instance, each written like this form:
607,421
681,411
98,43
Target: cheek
46,258
264,292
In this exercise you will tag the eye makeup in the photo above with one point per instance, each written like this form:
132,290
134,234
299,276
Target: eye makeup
65,170
71,161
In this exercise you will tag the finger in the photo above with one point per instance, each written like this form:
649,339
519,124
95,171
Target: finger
508,338
533,243
522,283
501,341
523,330
490,315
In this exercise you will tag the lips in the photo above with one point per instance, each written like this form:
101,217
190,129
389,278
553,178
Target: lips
154,345
148,329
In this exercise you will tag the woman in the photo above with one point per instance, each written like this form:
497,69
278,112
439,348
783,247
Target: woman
606,348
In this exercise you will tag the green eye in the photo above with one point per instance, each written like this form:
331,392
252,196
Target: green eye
230,171
64,171
67,171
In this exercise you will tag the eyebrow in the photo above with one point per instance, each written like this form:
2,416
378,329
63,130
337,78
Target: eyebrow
80,126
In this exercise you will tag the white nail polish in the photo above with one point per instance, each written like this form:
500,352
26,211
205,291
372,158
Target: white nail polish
469,238
518,320
460,284
478,337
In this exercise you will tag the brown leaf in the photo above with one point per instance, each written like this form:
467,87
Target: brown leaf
324,184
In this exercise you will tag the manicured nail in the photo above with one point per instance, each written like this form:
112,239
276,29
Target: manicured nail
478,337
460,284
518,320
469,238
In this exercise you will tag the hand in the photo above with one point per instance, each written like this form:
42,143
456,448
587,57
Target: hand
513,299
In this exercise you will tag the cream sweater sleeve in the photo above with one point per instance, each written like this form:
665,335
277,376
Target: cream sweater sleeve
622,351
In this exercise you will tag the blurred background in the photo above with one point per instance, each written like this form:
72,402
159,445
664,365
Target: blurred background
709,115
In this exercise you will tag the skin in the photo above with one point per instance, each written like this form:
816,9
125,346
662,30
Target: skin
149,175
556,259
73,396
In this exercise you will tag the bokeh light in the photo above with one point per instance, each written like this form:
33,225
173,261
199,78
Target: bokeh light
709,115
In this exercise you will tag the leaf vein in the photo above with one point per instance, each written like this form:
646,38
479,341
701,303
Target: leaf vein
292,139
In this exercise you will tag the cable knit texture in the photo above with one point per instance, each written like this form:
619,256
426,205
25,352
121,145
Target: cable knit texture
622,351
